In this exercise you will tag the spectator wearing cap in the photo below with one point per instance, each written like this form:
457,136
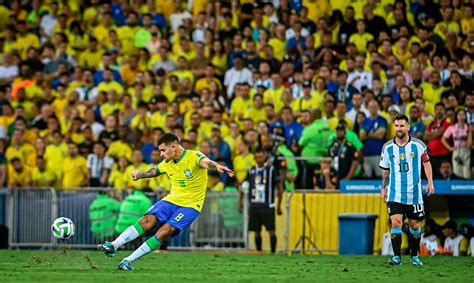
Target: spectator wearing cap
454,242
236,75
373,133
346,158
99,165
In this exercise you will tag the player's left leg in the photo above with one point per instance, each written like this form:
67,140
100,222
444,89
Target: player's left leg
180,219
415,237
134,231
153,243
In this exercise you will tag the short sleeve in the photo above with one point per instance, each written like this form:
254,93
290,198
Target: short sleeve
384,159
449,131
161,168
200,156
108,163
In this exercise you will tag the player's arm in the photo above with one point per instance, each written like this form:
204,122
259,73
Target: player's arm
150,173
211,165
385,180
428,172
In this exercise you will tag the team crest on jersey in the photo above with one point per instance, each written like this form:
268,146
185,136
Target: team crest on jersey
412,155
402,155
188,173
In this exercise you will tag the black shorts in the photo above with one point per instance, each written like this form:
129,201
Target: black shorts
410,211
261,216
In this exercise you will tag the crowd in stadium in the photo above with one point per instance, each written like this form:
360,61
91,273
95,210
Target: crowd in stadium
88,87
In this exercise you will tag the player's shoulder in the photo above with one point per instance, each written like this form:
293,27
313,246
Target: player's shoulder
387,145
418,142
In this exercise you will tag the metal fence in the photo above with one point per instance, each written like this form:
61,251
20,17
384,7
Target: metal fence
30,212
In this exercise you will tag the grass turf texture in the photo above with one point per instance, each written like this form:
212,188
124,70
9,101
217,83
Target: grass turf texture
92,266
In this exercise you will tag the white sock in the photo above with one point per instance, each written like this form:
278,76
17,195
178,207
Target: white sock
128,235
138,253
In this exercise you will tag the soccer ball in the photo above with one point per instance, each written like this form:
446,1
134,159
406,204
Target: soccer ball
63,228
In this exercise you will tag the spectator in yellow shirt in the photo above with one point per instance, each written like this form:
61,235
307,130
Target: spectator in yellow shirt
109,83
137,165
41,176
119,179
19,175
361,38
257,111
162,182
75,169
243,161
20,149
121,148
91,57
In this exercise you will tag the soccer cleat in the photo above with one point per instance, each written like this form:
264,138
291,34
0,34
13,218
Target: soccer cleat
107,248
416,261
396,260
125,265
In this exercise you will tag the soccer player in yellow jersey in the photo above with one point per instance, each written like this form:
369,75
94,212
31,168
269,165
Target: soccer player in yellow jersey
187,170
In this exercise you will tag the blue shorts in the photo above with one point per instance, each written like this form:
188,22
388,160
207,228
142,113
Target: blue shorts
177,216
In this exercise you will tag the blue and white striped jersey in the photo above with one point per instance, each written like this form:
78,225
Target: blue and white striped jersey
404,164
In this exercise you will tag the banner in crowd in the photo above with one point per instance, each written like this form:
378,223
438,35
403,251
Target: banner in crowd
455,187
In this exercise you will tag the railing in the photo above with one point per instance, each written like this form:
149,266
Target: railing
30,212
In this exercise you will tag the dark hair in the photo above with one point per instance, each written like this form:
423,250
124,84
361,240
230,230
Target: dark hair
401,117
168,138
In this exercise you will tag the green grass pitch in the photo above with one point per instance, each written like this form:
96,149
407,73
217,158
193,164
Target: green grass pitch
91,266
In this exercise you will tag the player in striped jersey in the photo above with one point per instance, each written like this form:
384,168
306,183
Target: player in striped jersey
401,161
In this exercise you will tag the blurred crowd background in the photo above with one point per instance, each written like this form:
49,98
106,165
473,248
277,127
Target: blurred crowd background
88,87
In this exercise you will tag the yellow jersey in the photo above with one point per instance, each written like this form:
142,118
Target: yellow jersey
119,179
54,156
139,184
43,178
188,180
119,149
75,171
242,164
26,153
22,179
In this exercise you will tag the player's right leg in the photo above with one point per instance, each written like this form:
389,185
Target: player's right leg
147,222
395,211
